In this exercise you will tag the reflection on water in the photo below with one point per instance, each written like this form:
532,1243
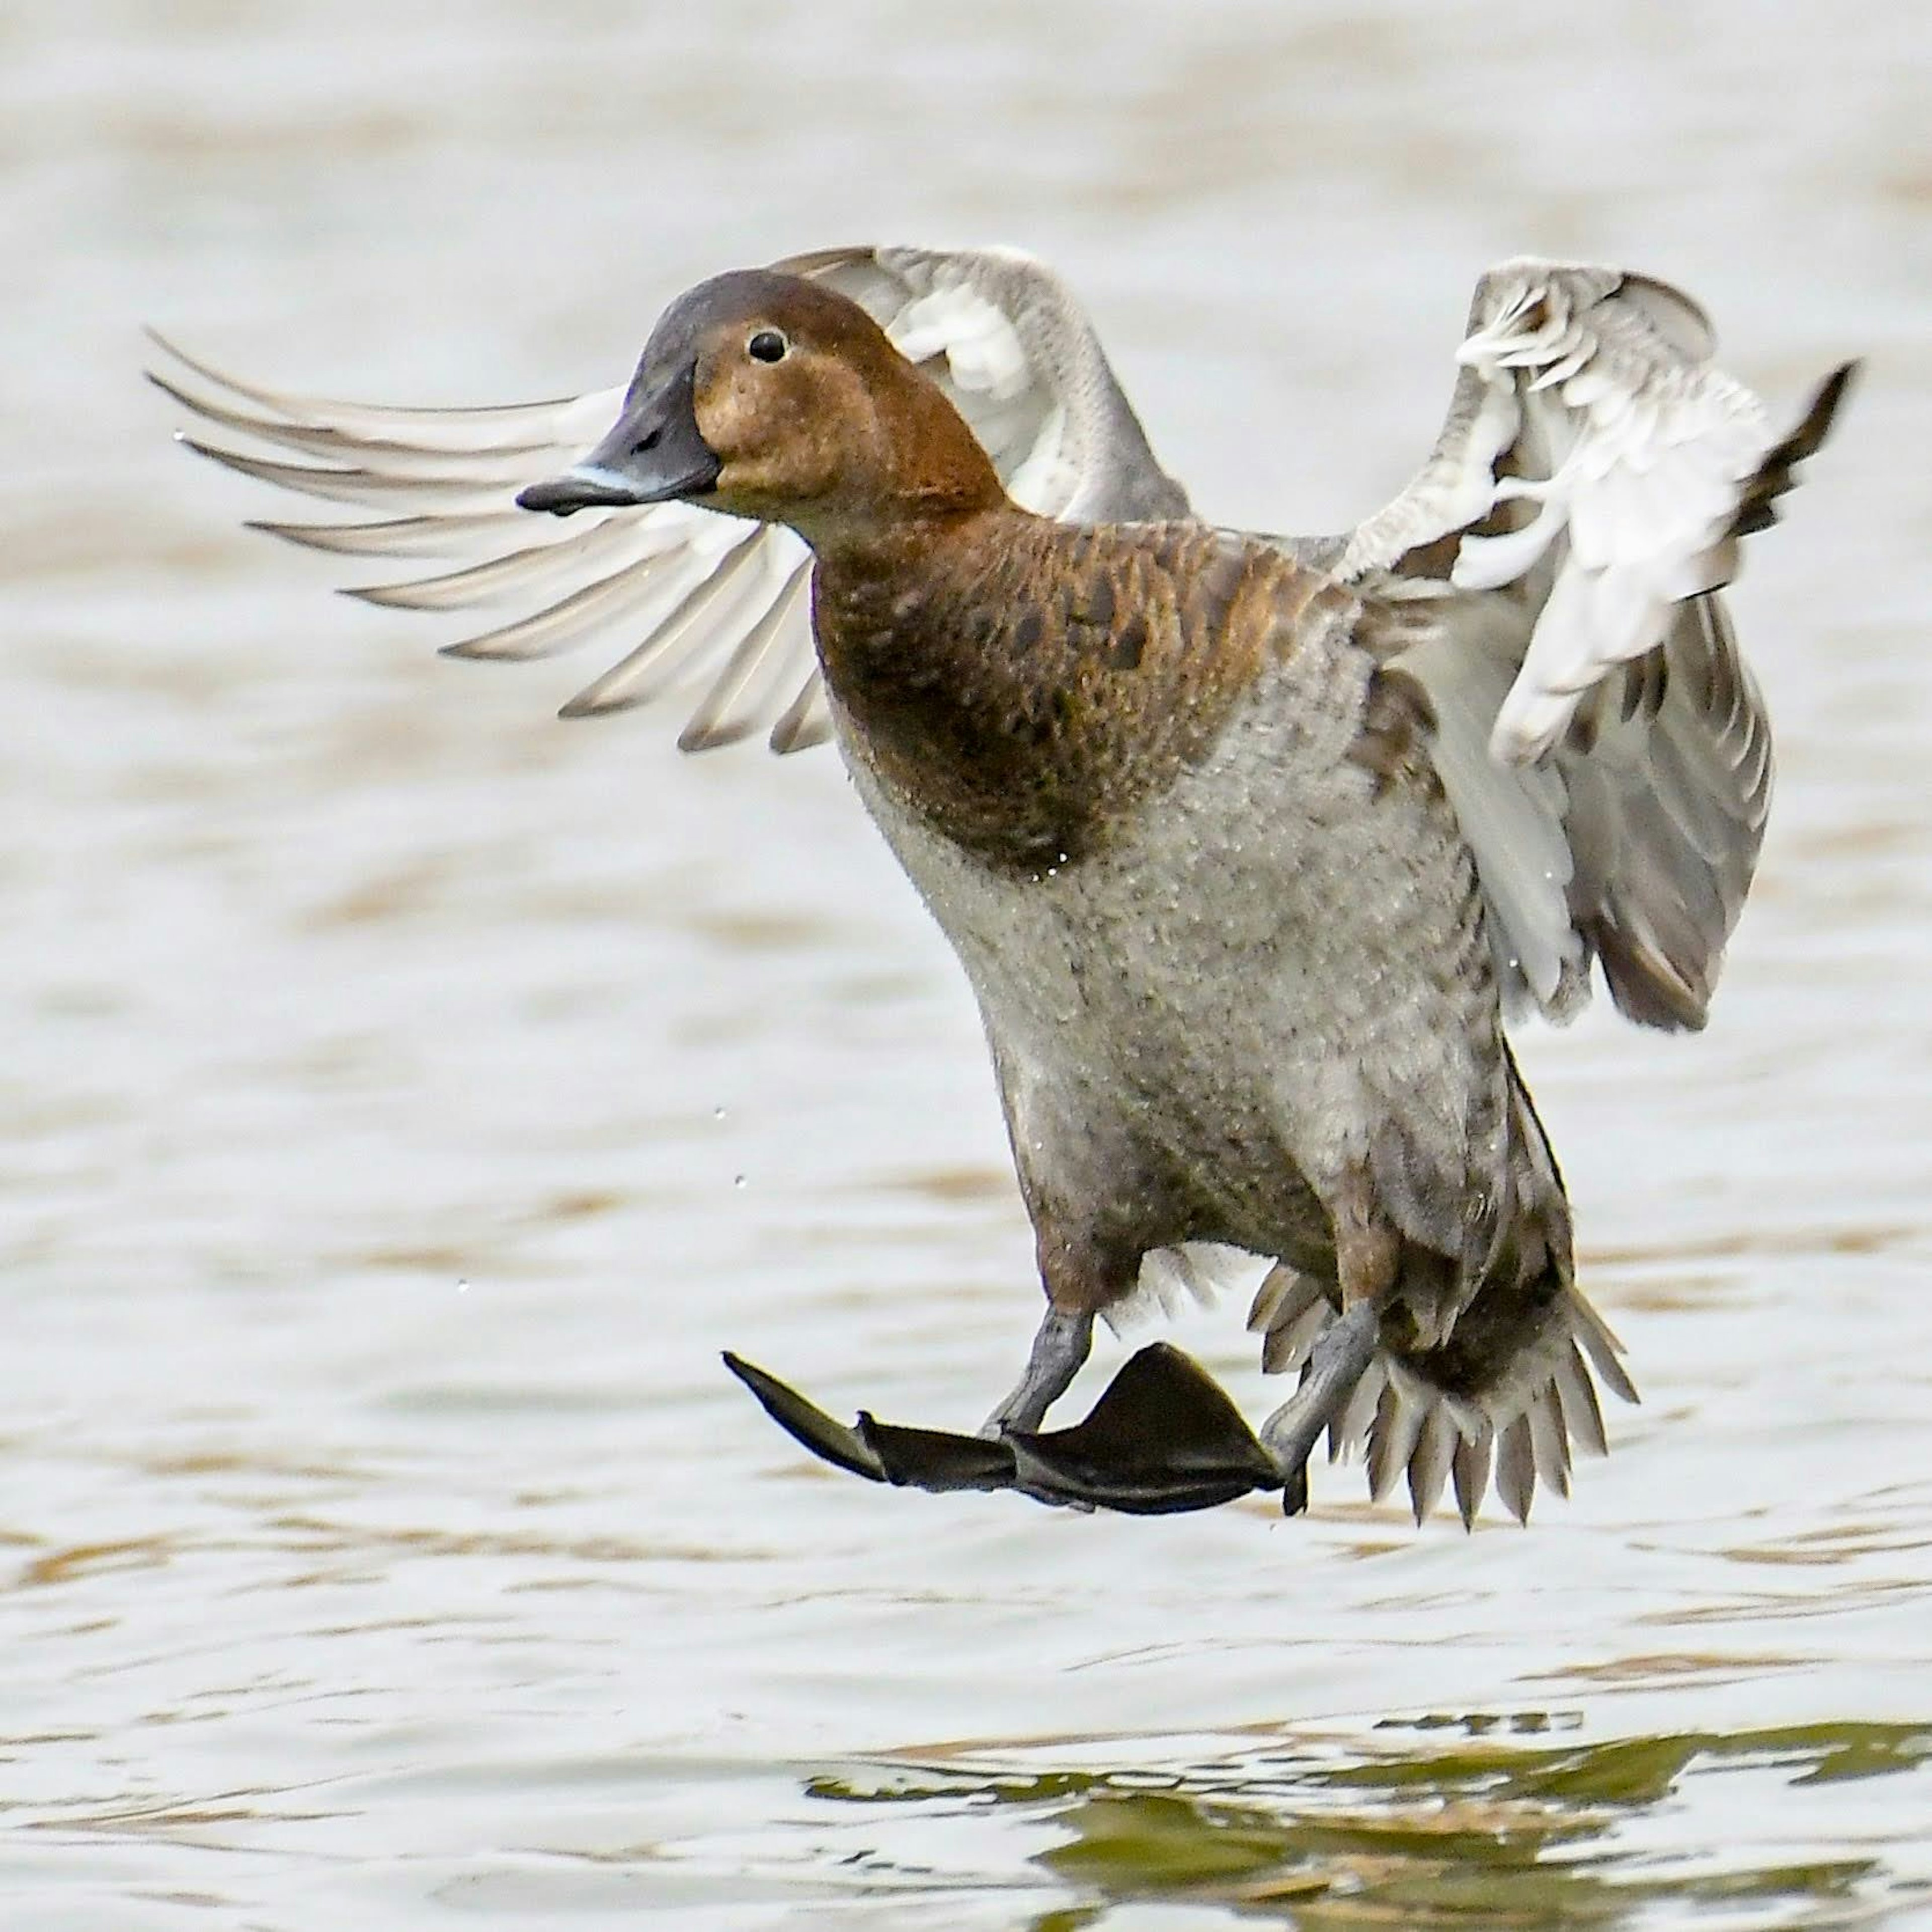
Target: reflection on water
408,1095
1488,1830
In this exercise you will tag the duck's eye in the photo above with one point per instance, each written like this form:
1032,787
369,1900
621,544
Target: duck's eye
767,345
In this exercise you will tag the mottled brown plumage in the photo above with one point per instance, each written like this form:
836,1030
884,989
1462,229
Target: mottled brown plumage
1025,687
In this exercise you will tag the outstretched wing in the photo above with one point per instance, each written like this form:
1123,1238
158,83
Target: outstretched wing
1608,752
1008,342
701,603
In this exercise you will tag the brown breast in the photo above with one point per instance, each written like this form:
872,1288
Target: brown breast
1024,685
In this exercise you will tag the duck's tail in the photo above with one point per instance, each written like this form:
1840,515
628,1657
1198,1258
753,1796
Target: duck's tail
1506,1391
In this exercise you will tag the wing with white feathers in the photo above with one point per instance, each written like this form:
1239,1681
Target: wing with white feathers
698,601
1605,747
702,604
1014,352
1591,448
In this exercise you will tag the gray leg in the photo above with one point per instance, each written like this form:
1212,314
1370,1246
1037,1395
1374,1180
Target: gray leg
1335,1366
1059,1347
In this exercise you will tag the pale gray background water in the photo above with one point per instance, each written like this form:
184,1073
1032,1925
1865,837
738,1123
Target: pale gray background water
334,1592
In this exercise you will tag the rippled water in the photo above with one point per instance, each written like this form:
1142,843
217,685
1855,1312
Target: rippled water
407,1095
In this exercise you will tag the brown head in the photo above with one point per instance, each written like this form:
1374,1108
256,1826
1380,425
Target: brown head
765,395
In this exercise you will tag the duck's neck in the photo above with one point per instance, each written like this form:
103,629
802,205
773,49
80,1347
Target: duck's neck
1022,685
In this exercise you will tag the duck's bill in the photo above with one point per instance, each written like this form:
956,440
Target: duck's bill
654,453
1162,1439
583,487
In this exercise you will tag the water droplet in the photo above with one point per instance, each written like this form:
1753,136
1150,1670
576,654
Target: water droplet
737,1180
718,1113
462,1285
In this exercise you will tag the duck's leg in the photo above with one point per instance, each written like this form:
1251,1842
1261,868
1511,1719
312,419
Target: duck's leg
1162,1438
1060,1346
1084,1267
1335,1366
1077,1283
1368,1257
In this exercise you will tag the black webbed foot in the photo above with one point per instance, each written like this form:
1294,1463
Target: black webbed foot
936,1458
1162,1438
806,1423
881,1452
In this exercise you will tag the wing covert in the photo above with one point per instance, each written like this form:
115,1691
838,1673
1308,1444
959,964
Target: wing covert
1594,453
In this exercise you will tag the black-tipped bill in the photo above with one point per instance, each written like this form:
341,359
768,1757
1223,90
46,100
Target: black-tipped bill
653,454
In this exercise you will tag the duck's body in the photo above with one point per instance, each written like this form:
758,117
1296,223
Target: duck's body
1210,992
1158,866
1245,845
1225,931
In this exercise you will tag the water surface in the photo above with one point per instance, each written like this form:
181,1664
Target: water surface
407,1094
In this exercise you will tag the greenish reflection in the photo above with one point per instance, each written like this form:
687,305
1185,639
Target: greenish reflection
1485,1832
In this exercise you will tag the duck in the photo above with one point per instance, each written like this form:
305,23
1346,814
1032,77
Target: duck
1249,846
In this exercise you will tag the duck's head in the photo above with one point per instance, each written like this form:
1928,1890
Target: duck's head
765,395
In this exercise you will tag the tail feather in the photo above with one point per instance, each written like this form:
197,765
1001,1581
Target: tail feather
1436,1445
1171,1278
1474,1456
1576,1396
1516,1468
1290,1311
1396,1430
1508,1395
1348,1434
1603,1348
1548,1439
